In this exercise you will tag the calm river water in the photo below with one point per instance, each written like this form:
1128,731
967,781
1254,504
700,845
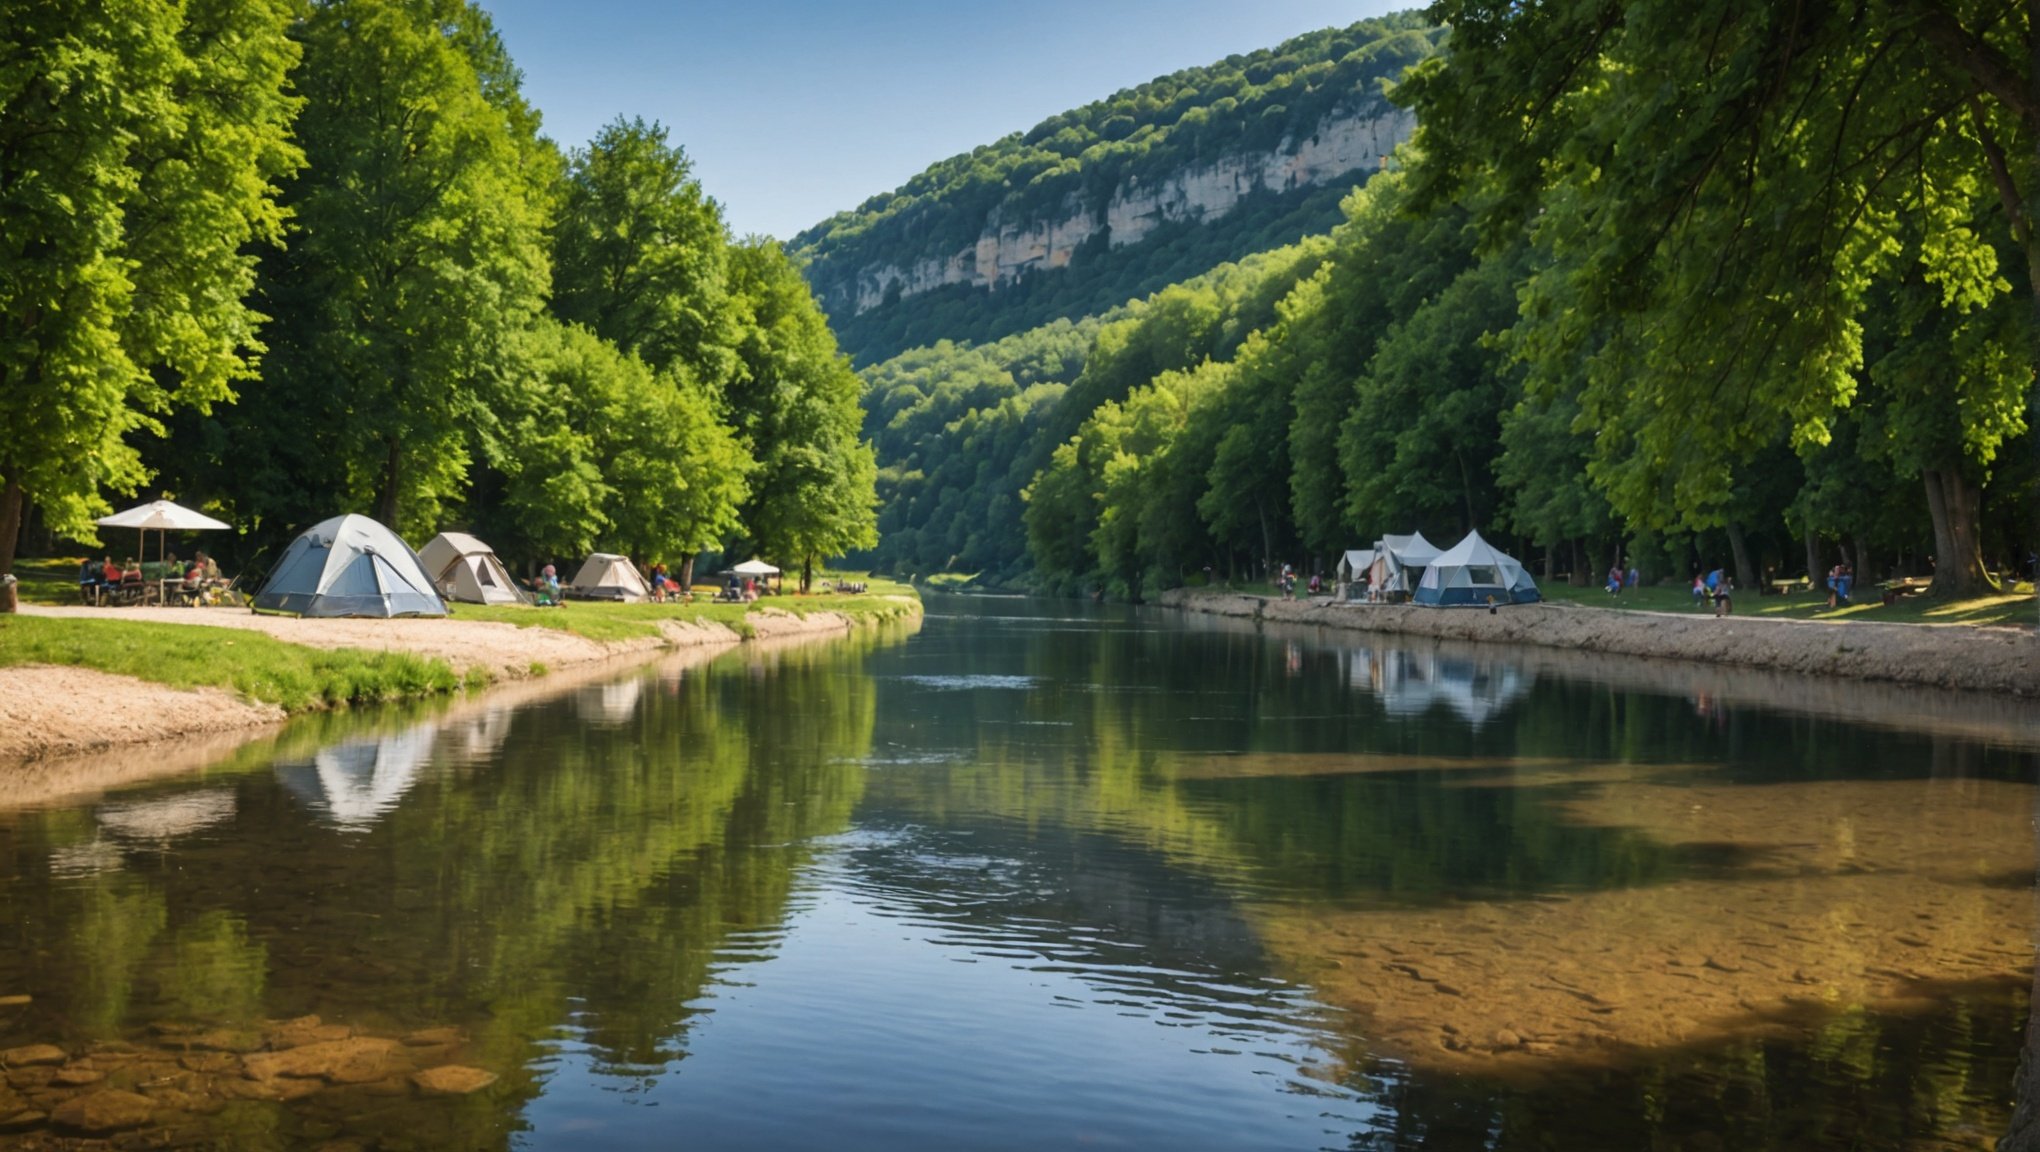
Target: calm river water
1038,876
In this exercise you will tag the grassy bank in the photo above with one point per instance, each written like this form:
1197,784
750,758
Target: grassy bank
301,678
2009,607
257,666
2014,606
605,622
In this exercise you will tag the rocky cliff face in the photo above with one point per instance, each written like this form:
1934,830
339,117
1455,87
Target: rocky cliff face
1345,143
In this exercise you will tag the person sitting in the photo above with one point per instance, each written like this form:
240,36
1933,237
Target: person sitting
91,579
1614,586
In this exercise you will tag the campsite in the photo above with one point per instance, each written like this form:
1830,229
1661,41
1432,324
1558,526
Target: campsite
1208,576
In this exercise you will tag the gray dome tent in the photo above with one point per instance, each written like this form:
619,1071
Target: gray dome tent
349,566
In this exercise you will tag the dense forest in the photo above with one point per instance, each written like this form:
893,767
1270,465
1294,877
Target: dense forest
286,260
1074,162
1600,310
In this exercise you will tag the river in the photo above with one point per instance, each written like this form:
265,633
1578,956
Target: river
1040,875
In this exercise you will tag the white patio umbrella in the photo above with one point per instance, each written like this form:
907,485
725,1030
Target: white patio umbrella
164,516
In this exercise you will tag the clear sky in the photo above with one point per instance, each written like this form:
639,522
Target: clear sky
795,109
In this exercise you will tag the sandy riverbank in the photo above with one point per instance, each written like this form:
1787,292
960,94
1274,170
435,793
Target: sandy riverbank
48,711
1953,656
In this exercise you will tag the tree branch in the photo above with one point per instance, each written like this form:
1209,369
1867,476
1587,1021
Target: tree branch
1992,70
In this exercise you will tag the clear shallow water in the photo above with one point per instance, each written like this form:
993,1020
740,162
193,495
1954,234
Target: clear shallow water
1043,877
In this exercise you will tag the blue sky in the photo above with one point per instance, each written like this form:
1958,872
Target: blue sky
794,109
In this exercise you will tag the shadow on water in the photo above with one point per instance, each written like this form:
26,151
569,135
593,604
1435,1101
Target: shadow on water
1048,874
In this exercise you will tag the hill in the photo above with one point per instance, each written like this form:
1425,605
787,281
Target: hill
1119,198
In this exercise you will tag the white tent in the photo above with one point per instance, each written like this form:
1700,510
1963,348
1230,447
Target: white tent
1399,561
465,569
1356,567
349,566
1474,572
607,576
755,568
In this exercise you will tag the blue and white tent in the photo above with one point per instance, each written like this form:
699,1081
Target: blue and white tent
1474,573
350,566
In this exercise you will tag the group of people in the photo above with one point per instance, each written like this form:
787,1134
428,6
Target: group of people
1715,587
1286,582
665,586
107,579
1618,579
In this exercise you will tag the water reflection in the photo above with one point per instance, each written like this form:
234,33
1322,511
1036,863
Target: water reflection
1411,683
1093,877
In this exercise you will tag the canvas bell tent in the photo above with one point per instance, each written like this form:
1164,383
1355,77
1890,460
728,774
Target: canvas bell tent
349,566
465,569
1474,572
1355,569
607,576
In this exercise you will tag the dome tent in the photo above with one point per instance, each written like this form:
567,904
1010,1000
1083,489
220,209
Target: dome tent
607,576
349,566
463,568
1472,573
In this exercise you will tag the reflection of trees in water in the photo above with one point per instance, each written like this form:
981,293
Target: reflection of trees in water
579,876
1522,797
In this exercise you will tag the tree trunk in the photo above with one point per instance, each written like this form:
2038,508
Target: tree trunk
1578,577
1958,556
11,503
1813,558
1865,570
807,568
1745,575
1550,562
386,496
1267,537
687,573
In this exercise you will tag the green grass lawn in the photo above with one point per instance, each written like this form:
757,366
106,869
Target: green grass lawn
258,666
604,621
301,678
2011,607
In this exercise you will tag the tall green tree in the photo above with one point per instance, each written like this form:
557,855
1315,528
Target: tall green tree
640,253
795,403
600,449
417,264
140,146
1722,183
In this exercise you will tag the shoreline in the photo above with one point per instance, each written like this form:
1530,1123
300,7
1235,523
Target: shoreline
67,712
1958,657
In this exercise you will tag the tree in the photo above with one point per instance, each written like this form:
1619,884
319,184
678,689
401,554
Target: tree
603,449
1722,184
795,403
639,253
140,146
417,264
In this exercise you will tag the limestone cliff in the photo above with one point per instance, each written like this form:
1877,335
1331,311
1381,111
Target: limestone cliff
1345,146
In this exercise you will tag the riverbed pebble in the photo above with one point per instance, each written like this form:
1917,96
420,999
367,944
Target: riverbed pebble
98,1113
356,1060
29,1055
453,1079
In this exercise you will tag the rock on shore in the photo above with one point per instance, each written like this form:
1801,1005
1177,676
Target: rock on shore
1954,656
